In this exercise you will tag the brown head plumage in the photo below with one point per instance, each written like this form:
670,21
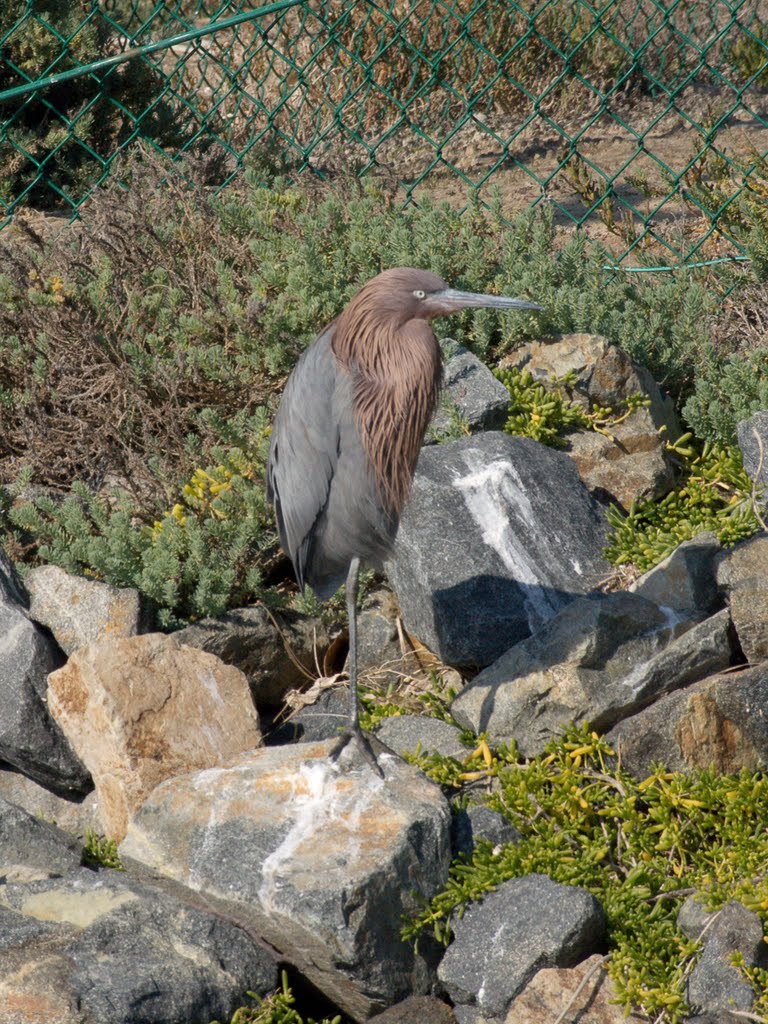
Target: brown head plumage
383,339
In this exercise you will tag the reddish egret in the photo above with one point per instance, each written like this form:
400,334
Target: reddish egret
348,432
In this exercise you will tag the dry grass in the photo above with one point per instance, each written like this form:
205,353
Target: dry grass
96,385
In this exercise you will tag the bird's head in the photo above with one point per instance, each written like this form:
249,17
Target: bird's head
406,293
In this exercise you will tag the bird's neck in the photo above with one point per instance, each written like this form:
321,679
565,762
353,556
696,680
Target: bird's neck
396,373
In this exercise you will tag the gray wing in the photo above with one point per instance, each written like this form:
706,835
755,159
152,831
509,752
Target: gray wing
304,451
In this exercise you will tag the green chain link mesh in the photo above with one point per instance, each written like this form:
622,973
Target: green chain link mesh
645,120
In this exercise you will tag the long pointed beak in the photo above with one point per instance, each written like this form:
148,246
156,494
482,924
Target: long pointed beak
451,301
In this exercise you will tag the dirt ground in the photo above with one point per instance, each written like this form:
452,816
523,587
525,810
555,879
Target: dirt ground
639,149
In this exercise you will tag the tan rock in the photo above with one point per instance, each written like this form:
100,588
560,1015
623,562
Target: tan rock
632,464
553,988
719,723
628,466
144,709
80,611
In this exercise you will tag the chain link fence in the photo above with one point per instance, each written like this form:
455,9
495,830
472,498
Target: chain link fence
644,121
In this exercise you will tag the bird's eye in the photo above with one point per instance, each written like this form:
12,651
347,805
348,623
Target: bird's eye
419,294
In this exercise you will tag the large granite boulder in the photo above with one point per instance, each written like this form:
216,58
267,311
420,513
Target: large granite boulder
499,534
321,858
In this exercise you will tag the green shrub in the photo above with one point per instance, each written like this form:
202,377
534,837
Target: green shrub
59,142
201,557
728,389
98,851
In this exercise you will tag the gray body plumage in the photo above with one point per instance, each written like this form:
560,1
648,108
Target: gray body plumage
319,478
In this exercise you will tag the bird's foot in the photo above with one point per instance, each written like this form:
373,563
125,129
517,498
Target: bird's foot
354,735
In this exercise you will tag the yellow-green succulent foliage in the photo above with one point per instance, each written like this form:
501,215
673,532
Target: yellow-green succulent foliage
716,494
640,847
279,1008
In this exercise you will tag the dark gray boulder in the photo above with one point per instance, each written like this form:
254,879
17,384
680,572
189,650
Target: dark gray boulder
30,848
469,387
501,942
407,733
30,740
277,653
687,579
753,442
323,716
742,573
479,822
499,534
98,946
599,660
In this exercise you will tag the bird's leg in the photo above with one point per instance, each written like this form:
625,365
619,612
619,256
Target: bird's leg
353,732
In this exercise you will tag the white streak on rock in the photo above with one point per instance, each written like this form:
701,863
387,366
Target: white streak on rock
321,802
490,491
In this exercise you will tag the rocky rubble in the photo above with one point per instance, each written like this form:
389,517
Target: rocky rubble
244,852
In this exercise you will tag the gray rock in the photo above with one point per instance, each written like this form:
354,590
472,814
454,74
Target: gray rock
74,814
471,388
480,822
534,923
407,733
16,931
499,534
720,723
416,1010
321,719
274,660
380,656
321,858
29,847
693,917
601,659
29,738
79,611
687,579
742,572
714,983
753,435
101,947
